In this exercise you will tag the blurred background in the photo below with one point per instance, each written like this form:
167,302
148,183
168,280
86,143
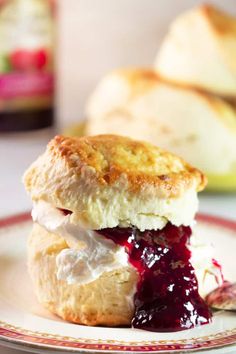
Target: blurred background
53,54
96,36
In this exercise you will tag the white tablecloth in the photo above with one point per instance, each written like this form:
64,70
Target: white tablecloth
17,151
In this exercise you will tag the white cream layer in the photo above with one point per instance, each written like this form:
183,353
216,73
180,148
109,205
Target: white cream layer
95,255
202,254
99,255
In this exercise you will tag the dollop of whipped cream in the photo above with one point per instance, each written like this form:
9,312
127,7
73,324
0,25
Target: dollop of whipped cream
89,255
207,269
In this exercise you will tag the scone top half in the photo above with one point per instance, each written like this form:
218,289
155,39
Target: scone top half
107,181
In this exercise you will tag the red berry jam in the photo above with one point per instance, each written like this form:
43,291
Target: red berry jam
167,297
217,265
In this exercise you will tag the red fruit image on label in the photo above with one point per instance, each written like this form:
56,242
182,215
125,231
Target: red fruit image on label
40,58
28,60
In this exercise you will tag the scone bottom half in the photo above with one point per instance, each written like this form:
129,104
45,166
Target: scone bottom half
112,224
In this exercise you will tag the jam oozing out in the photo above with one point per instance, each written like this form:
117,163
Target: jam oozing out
167,297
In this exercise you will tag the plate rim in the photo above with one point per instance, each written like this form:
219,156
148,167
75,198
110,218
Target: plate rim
23,338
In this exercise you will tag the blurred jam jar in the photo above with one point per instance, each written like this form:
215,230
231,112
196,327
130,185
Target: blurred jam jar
26,64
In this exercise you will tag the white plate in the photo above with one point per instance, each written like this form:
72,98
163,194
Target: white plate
26,325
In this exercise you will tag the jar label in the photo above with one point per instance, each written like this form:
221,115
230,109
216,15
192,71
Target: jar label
25,85
26,55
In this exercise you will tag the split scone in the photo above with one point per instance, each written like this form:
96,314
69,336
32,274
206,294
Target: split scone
111,238
200,50
198,127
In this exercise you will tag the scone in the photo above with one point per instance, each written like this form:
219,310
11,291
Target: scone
200,128
199,50
111,235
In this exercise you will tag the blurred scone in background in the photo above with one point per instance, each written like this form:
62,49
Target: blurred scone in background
186,103
87,50
197,126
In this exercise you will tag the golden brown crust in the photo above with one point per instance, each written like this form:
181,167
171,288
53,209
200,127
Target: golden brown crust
104,179
111,156
105,301
220,21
